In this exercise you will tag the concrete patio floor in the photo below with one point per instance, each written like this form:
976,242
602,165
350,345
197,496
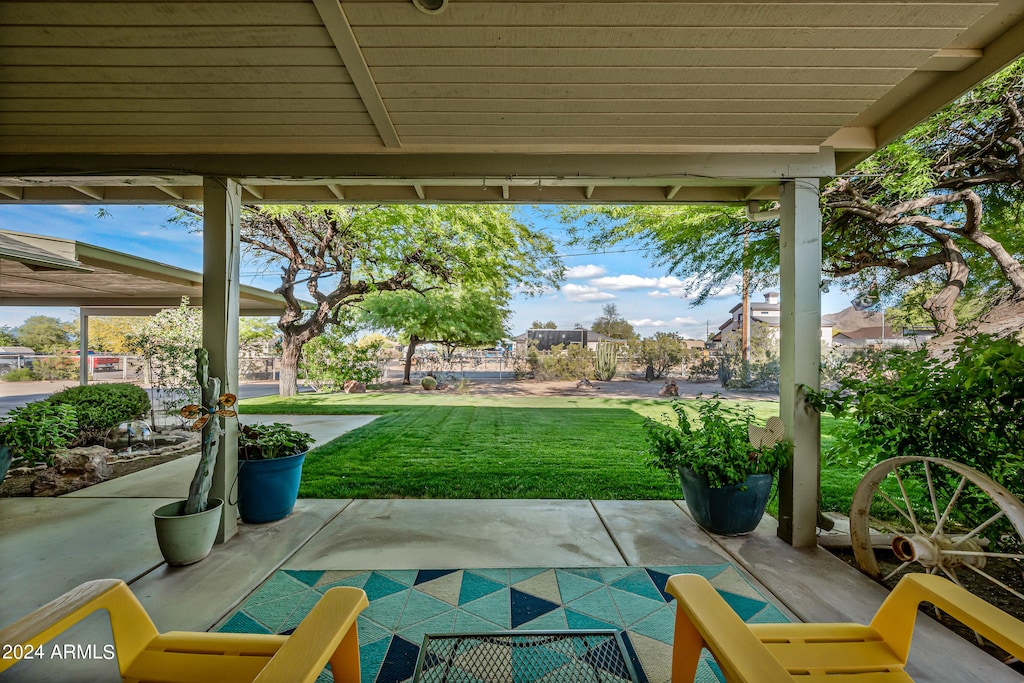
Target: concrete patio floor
50,545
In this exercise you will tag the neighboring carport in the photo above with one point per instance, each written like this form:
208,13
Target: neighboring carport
40,271
232,101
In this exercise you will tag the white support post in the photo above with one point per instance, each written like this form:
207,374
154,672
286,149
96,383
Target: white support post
83,348
222,203
800,276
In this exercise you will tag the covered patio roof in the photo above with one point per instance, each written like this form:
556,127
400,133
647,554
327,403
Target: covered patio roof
42,271
537,101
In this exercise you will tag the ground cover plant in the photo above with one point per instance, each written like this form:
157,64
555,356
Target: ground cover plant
438,445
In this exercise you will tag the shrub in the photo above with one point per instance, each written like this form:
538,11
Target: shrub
428,383
21,375
968,408
57,367
37,430
99,407
328,362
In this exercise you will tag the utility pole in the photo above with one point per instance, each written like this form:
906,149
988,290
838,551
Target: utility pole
745,314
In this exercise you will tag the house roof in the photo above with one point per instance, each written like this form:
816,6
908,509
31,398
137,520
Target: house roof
51,271
530,102
873,332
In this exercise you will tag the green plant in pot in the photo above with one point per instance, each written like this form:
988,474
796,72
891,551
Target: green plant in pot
725,462
270,458
187,529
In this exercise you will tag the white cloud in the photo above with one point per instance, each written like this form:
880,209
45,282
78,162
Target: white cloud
619,282
727,291
77,208
674,322
659,294
583,272
585,293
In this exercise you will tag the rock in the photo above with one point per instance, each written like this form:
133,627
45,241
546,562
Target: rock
670,389
72,470
354,387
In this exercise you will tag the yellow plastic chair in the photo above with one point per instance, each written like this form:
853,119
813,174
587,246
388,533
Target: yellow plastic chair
837,653
327,634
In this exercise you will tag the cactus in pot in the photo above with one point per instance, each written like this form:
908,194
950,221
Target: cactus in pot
214,405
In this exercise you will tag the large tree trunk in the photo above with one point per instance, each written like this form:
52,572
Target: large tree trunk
940,306
413,342
291,349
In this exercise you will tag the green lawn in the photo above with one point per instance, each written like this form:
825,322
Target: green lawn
444,445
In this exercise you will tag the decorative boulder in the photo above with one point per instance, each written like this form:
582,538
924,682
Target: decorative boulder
354,387
670,389
73,470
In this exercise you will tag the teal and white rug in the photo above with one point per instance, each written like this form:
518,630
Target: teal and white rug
406,604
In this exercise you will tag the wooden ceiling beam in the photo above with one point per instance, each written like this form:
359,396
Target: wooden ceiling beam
348,48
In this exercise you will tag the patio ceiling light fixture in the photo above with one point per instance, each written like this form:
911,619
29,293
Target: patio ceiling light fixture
430,6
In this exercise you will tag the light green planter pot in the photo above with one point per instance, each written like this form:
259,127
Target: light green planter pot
185,539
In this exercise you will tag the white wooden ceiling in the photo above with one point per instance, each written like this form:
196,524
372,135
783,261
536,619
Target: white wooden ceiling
526,101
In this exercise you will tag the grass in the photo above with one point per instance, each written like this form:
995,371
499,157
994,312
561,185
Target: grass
442,445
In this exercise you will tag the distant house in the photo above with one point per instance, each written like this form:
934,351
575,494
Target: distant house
768,312
544,339
864,329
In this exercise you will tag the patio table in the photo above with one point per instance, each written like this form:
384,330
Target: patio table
597,656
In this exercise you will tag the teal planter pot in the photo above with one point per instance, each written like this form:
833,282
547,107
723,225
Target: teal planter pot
267,489
5,461
729,510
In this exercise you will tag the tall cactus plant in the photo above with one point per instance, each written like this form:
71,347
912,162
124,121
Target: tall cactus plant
214,406
605,362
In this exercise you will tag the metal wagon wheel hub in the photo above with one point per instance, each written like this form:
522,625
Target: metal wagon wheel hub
921,502
938,551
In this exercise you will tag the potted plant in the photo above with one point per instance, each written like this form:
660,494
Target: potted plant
726,464
270,458
187,529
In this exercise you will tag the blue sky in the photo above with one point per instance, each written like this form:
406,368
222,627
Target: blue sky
649,297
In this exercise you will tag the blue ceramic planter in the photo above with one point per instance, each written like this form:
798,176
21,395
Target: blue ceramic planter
267,489
729,510
5,461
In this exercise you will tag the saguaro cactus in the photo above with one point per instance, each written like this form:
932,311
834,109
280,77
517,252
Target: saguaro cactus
605,362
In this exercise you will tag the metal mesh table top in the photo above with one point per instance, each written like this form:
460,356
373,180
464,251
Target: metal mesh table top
524,657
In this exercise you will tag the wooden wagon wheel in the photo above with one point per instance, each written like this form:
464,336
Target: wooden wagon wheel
936,533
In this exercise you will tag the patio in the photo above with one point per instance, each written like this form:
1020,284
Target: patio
230,103
105,531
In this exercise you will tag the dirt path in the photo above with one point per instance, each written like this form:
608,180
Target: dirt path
617,388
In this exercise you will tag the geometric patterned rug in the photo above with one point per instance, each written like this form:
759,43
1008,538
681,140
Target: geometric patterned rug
406,604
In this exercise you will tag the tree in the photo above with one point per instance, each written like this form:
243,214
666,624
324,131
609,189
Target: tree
167,343
7,336
538,325
761,369
943,202
340,255
111,334
451,317
662,352
613,325
254,334
44,334
702,245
